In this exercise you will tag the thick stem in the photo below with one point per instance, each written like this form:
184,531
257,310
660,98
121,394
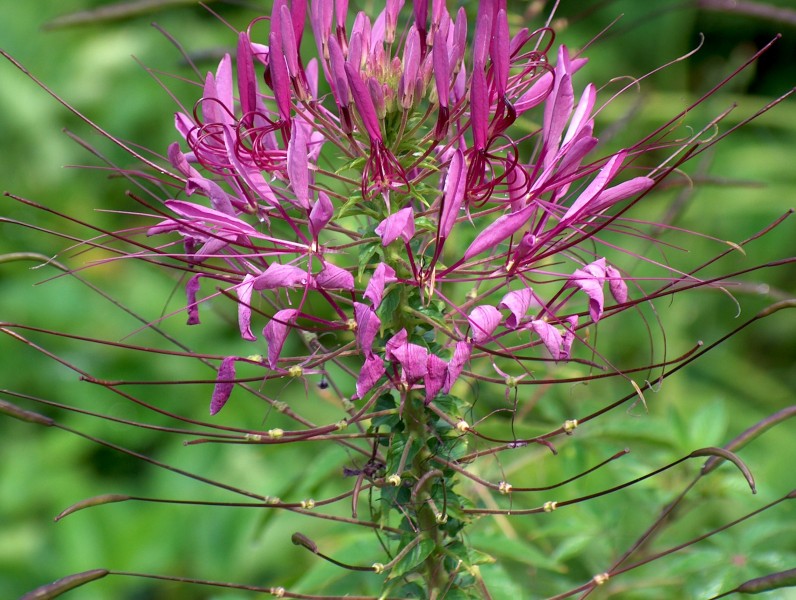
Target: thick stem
424,471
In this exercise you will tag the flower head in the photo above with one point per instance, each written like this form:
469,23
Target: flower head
384,214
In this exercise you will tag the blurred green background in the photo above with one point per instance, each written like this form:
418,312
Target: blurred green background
42,471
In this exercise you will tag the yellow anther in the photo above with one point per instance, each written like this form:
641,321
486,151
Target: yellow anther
342,424
308,504
441,518
275,434
550,506
351,324
601,578
295,371
394,479
253,437
504,487
255,358
511,382
570,426
378,568
279,592
463,426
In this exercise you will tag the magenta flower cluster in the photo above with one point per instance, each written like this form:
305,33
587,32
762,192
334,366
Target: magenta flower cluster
348,176
408,214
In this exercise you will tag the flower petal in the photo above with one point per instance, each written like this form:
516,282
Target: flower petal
461,354
220,200
338,80
479,109
484,320
297,163
363,102
442,72
192,211
280,78
596,186
320,215
370,373
499,51
368,325
400,224
590,279
551,337
288,38
224,384
518,302
498,231
412,357
411,66
191,289
244,290
278,276
247,79
436,369
616,284
334,278
568,337
619,192
276,332
452,194
374,291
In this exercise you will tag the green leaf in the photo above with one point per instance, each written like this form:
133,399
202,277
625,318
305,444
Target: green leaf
389,304
366,254
413,559
708,425
499,583
514,549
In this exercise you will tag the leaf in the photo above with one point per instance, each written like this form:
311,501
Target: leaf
413,559
389,304
515,549
366,253
500,584
708,425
